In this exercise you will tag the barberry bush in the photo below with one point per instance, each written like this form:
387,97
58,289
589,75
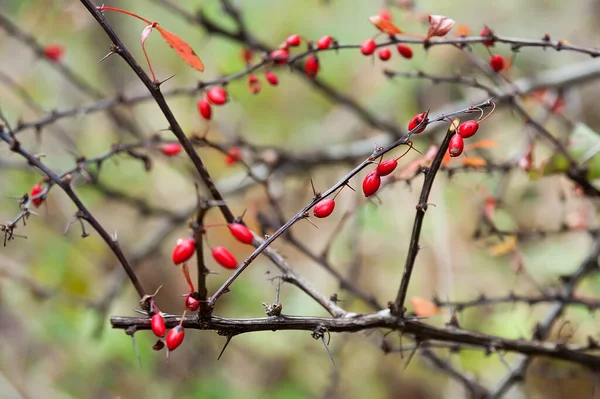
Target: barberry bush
298,199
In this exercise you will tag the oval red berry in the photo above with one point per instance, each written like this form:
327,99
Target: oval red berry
224,258
415,121
279,56
233,155
184,250
54,52
157,323
385,54
293,40
368,47
171,149
312,66
405,51
175,337
371,183
468,129
456,146
324,42
241,233
271,78
204,109
254,85
324,208
485,32
497,63
217,95
386,167
35,190
191,303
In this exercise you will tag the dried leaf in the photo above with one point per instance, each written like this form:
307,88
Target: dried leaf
439,25
423,307
508,245
487,143
463,30
384,25
425,159
475,162
182,48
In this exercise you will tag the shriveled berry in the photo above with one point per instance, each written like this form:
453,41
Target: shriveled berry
204,109
224,258
293,40
312,66
485,32
54,52
191,303
324,208
247,55
456,146
175,337
371,183
157,323
241,233
217,95
497,63
368,47
254,84
415,121
405,51
280,56
184,250
271,78
324,42
171,149
233,155
385,54
35,190
386,167
468,129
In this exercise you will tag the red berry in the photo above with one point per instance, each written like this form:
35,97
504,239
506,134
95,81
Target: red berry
157,323
247,55
183,250
312,66
233,155
271,78
324,42
224,258
254,84
217,95
280,56
368,47
385,15
386,167
54,52
204,109
171,149
191,303
371,183
324,208
175,337
485,33
457,144
405,51
385,54
415,121
468,129
293,40
241,233
497,63
35,190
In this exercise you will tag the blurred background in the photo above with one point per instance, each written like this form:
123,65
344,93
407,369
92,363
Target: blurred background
58,290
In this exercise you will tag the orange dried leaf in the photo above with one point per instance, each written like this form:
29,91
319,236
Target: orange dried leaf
487,143
508,245
423,307
182,48
463,30
384,25
475,162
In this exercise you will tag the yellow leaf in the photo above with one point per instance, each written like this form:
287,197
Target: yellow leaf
423,307
508,245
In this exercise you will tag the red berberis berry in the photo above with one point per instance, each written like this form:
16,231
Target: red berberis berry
233,155
486,32
271,78
254,84
204,109
312,66
456,146
184,250
497,63
157,323
35,190
405,51
241,233
468,129
171,149
280,56
224,258
175,337
385,54
293,40
368,47
371,183
386,167
324,208
191,303
416,120
217,95
324,42
54,52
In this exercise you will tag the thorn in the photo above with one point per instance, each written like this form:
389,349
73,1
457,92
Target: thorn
137,351
106,56
164,80
229,338
328,351
315,193
311,222
412,353
350,187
